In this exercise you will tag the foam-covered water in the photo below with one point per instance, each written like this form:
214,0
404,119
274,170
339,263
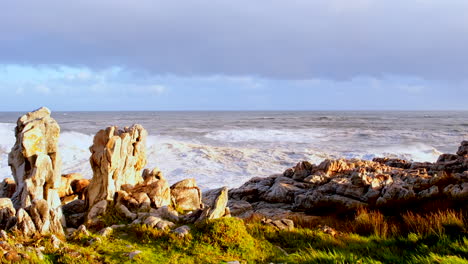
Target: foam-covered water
228,148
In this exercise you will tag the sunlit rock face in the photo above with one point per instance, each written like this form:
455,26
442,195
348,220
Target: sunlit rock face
34,159
117,158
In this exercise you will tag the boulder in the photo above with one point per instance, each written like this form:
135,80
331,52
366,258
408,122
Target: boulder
24,223
66,184
117,158
79,187
35,161
156,188
215,205
282,224
186,195
7,211
463,149
182,231
7,188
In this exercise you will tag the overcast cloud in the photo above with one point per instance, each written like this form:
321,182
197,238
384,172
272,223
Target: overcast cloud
411,46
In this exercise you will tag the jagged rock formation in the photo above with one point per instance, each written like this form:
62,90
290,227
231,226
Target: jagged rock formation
117,158
35,163
34,159
186,195
215,205
345,185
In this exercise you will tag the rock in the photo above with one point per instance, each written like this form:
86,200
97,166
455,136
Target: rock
164,225
74,207
3,235
7,211
457,190
463,149
82,231
45,219
97,210
66,184
25,224
152,221
12,256
35,161
241,209
283,224
165,212
125,212
302,170
133,254
282,191
182,231
431,192
329,230
7,188
143,200
79,187
186,195
105,232
117,158
215,206
55,242
330,167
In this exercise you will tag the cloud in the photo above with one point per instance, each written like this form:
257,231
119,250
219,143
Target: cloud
42,89
275,39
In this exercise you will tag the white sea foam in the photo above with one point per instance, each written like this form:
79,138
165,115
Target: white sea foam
268,135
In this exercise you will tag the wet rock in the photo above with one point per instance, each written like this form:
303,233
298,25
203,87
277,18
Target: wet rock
186,195
35,161
117,158
302,170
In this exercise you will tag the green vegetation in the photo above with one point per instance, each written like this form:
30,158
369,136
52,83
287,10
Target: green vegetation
370,238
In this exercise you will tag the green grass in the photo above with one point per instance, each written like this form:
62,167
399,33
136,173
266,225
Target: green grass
232,239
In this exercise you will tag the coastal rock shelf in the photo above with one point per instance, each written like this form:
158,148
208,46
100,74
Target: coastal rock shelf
336,186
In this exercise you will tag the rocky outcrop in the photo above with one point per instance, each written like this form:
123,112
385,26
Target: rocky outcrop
35,161
186,195
215,205
36,165
345,185
117,158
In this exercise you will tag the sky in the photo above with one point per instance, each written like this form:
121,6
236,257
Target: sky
234,55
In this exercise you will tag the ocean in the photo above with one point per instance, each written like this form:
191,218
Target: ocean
228,148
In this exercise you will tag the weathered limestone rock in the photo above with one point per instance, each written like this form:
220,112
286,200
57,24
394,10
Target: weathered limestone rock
34,159
186,195
25,223
117,158
45,219
156,187
215,205
7,188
